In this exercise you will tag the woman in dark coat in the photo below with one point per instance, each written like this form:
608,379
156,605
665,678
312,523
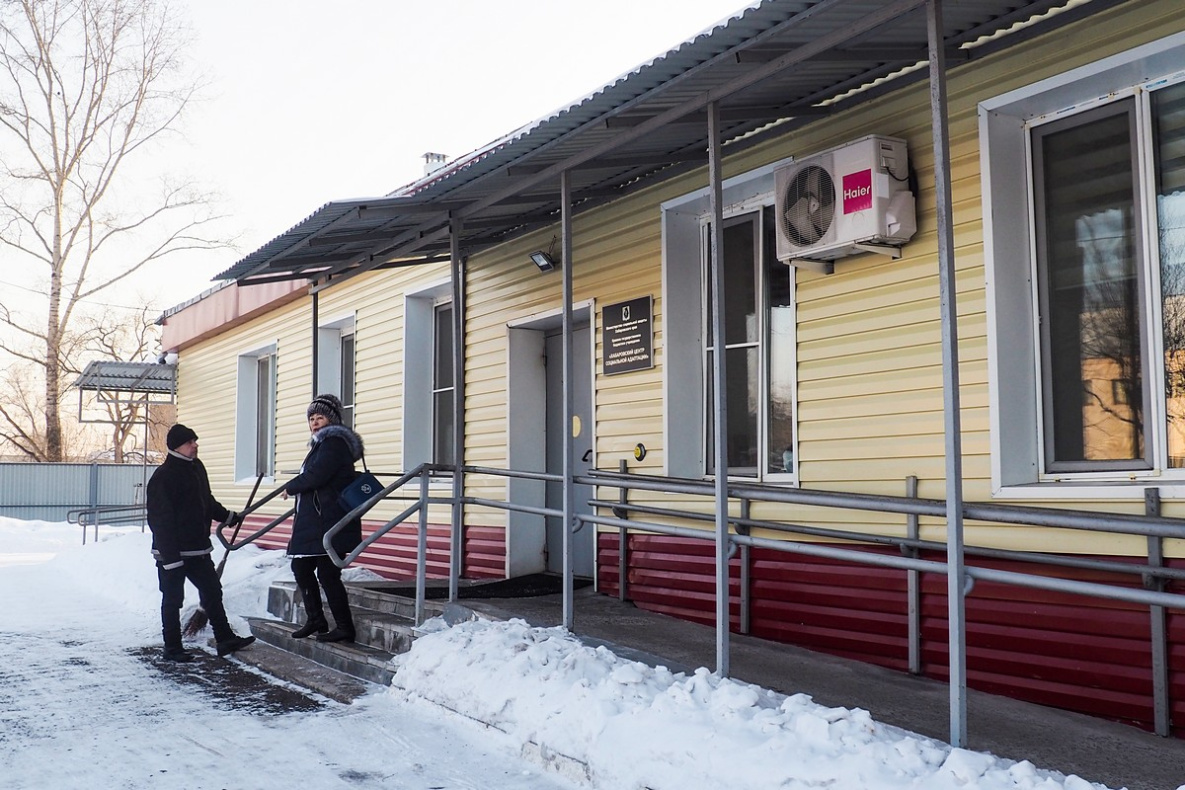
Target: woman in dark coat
327,469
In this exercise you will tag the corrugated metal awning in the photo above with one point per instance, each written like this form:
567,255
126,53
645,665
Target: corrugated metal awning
138,378
773,66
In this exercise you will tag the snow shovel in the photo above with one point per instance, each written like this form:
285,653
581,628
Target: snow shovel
199,618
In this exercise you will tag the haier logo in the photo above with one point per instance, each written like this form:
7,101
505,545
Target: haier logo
857,191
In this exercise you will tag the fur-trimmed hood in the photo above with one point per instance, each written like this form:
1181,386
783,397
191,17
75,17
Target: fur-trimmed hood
352,439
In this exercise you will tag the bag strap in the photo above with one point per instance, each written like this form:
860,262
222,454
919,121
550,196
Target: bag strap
365,468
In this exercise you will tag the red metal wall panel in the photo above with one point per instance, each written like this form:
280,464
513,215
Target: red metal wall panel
1070,651
394,556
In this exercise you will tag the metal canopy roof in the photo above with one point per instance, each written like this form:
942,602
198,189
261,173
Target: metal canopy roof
772,67
144,378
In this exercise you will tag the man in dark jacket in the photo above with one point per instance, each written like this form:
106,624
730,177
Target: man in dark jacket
180,509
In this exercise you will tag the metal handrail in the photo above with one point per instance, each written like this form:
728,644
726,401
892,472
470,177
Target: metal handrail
423,473
232,545
745,494
365,507
904,543
1123,523
107,514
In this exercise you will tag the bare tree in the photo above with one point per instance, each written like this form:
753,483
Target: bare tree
86,88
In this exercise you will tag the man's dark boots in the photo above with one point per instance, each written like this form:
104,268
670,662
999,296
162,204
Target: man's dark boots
226,641
170,619
228,646
315,621
177,655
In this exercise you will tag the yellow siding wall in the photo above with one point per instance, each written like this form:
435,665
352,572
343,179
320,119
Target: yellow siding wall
870,396
208,378
870,383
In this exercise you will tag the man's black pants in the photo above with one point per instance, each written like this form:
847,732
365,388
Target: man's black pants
204,576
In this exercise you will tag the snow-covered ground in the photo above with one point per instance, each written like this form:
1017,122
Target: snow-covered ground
83,704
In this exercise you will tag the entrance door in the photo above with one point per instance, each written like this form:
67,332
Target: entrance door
583,541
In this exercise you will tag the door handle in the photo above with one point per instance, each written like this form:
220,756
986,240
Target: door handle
587,455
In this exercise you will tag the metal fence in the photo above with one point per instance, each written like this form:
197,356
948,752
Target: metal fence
48,492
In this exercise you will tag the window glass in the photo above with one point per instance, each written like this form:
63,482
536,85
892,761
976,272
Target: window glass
780,327
759,333
1093,337
265,410
1168,112
742,397
347,379
442,385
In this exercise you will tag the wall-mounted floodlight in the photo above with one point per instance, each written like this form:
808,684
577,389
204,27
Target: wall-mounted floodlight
546,261
543,260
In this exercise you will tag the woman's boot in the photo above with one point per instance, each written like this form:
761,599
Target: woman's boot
343,619
315,624
315,621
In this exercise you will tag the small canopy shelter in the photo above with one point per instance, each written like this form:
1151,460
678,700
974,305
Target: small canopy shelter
127,383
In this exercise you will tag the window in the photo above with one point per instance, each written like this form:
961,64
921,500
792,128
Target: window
1087,306
335,366
428,424
759,335
442,385
346,373
758,326
255,426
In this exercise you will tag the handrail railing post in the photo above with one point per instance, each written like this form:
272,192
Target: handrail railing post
914,585
623,536
1159,630
94,499
422,547
743,529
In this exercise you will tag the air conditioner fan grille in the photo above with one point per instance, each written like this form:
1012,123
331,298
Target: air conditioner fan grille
808,206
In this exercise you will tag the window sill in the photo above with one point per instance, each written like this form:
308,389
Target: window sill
1094,489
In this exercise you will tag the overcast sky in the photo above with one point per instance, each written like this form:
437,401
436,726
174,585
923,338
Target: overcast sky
309,102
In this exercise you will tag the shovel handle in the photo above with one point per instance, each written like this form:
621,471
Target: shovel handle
235,534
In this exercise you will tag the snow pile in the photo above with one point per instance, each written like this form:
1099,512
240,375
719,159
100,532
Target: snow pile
640,727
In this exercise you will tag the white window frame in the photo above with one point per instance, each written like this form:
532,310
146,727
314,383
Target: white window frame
248,407
330,337
1014,337
419,347
684,382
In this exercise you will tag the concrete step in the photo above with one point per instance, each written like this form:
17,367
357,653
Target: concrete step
384,625
358,659
284,602
303,672
383,622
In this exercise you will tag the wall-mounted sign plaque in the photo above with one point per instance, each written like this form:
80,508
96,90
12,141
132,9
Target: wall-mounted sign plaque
627,335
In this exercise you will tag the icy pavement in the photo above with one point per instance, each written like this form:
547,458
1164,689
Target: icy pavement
84,703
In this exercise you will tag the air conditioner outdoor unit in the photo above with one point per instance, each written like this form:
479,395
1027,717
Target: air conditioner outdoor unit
841,202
